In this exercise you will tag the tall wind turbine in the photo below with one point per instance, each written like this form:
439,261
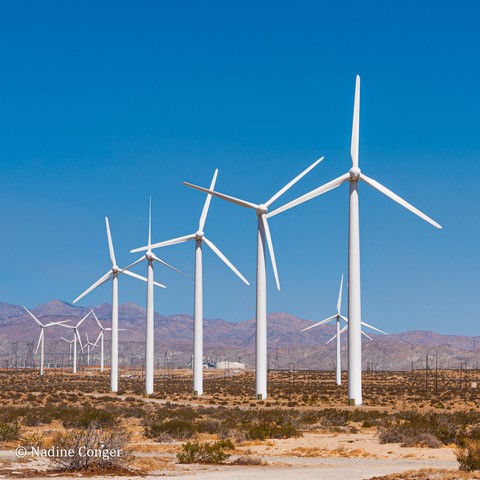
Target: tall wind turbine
41,338
76,336
150,257
199,238
112,274
101,339
337,317
263,234
354,298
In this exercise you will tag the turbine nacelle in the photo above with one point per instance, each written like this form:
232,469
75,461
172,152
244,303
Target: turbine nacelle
354,173
262,209
150,256
199,235
115,269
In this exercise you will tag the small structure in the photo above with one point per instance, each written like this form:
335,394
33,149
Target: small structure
224,365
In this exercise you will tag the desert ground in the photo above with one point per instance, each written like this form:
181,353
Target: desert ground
410,421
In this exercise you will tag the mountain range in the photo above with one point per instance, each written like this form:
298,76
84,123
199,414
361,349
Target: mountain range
232,341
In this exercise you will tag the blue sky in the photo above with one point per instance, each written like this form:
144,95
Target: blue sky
102,105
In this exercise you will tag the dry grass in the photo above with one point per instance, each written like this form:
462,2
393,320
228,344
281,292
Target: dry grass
431,474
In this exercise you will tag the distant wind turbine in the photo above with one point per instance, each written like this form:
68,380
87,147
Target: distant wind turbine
354,296
199,238
150,257
112,274
76,336
41,338
263,235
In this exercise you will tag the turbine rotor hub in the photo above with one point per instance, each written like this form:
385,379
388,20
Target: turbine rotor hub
149,256
355,173
115,269
262,209
199,235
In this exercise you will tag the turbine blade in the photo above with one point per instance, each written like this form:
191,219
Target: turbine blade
39,340
355,124
225,259
396,198
86,335
228,198
98,338
166,243
344,318
79,339
110,243
339,301
293,182
169,266
132,264
206,206
101,280
308,196
33,316
56,323
150,223
96,318
139,277
363,333
80,322
374,328
270,249
333,338
326,320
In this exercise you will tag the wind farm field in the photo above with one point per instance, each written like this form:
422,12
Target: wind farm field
409,421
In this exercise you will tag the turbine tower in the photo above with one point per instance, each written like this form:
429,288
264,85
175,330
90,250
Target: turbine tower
150,257
41,338
354,296
199,238
112,274
101,339
263,235
76,336
337,317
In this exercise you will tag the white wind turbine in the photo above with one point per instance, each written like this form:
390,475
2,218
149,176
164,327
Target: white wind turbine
70,345
89,350
263,234
199,238
150,257
41,338
76,336
337,317
354,297
112,274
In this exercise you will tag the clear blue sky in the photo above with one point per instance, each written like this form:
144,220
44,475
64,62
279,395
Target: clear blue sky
103,103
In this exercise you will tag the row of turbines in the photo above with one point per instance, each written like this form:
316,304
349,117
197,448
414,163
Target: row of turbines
353,320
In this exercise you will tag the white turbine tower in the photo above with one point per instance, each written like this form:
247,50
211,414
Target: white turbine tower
150,257
354,298
76,336
263,234
101,339
337,317
199,238
112,274
41,338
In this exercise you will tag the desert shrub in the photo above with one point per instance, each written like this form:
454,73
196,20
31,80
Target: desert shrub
9,431
203,452
468,457
248,460
91,439
262,431
34,439
422,440
175,428
86,417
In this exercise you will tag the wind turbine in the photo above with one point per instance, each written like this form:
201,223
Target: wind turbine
337,318
76,335
70,343
101,339
199,238
354,296
263,234
112,274
88,345
150,257
41,338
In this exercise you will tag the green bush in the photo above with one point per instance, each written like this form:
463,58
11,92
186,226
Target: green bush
9,431
262,431
204,452
175,428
